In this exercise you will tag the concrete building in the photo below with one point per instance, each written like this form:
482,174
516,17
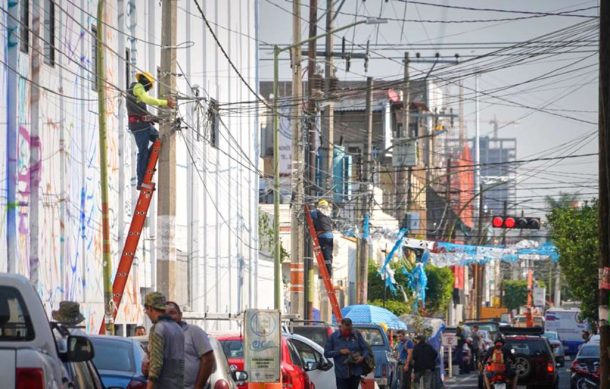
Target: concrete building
50,186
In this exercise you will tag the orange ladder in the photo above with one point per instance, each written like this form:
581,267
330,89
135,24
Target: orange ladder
328,284
135,231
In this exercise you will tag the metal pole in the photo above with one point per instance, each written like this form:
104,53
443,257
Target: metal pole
477,153
101,106
277,251
329,113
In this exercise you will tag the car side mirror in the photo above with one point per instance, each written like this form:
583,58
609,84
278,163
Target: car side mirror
311,365
240,376
80,349
326,366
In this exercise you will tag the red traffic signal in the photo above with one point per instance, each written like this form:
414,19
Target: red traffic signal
531,223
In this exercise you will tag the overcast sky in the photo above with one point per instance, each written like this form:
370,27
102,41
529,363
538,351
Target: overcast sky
562,83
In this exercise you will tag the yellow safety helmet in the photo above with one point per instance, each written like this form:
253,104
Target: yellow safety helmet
149,77
322,203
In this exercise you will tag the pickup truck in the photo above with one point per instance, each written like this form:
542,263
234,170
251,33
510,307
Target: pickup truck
28,351
385,363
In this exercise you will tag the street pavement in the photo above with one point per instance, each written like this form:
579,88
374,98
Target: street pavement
470,381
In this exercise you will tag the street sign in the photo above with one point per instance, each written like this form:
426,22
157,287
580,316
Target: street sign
449,339
262,345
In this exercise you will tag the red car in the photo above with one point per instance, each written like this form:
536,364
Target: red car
293,369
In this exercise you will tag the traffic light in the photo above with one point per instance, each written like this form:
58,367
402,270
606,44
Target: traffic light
510,222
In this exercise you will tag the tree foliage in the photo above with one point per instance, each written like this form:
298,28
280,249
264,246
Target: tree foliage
574,231
515,293
440,289
396,307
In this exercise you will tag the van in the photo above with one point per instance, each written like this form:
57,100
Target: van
569,326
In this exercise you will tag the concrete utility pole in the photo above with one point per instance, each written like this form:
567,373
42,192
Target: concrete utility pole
365,195
604,189
166,189
329,113
310,158
297,291
101,115
403,181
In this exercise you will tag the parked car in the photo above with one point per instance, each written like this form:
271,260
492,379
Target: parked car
385,363
317,331
223,377
29,353
534,361
119,361
320,369
585,365
292,367
558,349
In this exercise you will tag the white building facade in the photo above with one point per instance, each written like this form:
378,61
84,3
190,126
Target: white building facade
50,228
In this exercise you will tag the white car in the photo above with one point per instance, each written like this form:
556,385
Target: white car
320,370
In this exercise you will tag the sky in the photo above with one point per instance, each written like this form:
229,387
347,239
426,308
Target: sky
544,93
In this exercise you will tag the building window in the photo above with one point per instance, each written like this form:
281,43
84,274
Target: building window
214,122
24,28
49,32
94,57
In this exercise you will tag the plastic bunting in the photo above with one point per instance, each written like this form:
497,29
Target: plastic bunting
447,254
385,272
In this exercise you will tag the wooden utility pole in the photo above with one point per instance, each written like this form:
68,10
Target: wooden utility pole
604,188
329,113
166,189
310,165
403,180
101,115
297,230
365,196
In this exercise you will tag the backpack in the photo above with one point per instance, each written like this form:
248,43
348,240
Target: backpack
368,365
497,363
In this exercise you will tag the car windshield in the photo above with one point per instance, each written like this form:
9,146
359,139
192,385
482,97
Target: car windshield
528,347
233,348
113,355
551,335
317,334
589,351
372,336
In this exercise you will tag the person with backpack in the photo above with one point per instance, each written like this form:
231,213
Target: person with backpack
498,360
424,363
351,354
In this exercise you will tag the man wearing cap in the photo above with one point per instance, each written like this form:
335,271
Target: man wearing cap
348,350
199,362
165,346
140,120
324,229
68,314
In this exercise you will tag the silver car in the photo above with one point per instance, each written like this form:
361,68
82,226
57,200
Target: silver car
557,345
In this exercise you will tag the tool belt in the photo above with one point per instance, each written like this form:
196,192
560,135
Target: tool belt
141,119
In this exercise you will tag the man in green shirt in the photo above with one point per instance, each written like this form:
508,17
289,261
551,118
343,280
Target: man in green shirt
141,121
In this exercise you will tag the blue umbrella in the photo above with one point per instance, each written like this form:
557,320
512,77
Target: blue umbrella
367,314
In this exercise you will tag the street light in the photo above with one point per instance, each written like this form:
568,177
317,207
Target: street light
276,149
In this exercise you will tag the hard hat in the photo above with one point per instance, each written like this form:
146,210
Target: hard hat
322,203
149,77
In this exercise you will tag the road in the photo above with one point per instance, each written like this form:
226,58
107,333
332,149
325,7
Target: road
470,381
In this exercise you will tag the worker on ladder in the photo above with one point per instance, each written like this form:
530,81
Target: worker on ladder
141,122
324,229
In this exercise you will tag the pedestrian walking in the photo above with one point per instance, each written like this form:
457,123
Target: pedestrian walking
199,362
141,122
424,362
324,229
349,351
405,359
475,346
165,365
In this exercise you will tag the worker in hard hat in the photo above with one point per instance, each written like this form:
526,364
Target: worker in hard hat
141,122
324,229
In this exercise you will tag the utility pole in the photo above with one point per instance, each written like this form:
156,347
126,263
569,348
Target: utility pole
101,115
481,268
477,134
604,189
297,291
166,190
329,113
363,252
403,180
